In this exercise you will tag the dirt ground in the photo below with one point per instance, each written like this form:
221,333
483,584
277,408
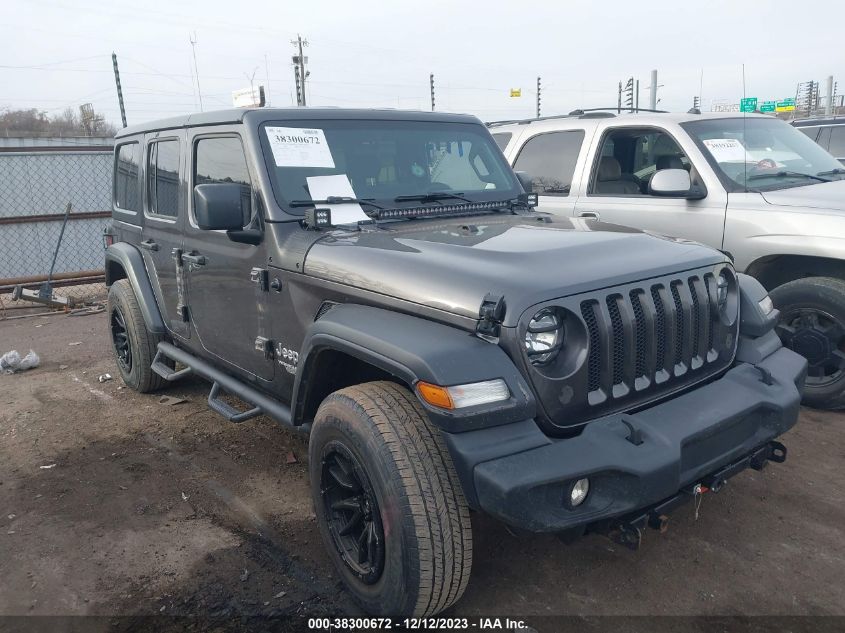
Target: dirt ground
114,504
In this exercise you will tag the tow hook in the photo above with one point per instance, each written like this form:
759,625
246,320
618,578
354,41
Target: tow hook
628,535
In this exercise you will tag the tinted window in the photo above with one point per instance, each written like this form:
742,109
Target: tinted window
163,177
549,159
127,188
809,131
502,139
837,141
222,160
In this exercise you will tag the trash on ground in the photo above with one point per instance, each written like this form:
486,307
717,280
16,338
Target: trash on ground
291,458
104,377
184,497
74,343
245,575
63,366
11,362
281,594
169,401
47,467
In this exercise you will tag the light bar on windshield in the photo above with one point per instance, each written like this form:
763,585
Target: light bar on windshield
441,210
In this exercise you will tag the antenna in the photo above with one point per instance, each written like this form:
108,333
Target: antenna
744,139
193,40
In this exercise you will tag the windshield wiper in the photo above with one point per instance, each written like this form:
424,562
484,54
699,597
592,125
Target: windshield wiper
787,174
434,196
831,172
335,200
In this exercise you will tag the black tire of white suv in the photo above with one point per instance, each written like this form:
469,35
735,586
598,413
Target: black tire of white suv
812,323
377,462
133,344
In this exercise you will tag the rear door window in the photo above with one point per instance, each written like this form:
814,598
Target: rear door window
549,160
127,185
163,178
837,141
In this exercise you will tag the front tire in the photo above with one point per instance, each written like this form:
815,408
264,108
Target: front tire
389,505
134,346
812,323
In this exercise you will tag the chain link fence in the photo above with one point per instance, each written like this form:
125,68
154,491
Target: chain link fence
40,241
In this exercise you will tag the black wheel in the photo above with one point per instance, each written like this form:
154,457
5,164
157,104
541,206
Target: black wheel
134,346
388,501
812,323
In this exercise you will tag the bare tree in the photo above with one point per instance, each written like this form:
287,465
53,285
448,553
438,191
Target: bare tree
34,122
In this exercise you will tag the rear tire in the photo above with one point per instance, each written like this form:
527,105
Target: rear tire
812,323
133,345
375,458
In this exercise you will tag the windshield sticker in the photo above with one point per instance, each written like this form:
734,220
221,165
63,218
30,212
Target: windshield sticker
299,147
726,150
322,187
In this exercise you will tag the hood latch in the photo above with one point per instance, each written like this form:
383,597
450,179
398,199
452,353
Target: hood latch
491,314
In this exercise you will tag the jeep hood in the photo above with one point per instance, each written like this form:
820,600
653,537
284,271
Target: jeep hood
452,264
829,196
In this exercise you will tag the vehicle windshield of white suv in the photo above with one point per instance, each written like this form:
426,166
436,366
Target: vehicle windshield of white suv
389,164
757,154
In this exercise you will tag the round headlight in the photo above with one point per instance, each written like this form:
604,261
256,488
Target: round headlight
544,336
722,291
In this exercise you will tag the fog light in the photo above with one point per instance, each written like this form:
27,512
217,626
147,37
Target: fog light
578,492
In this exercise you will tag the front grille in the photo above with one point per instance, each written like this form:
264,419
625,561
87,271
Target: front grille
650,336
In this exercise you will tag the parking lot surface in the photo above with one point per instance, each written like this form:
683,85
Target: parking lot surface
114,503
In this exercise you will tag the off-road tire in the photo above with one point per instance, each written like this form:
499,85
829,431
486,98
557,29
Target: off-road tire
428,547
143,343
826,295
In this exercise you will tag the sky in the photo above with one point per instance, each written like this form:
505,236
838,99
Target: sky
57,53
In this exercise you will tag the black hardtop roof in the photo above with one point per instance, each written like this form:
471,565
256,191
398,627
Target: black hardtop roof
259,115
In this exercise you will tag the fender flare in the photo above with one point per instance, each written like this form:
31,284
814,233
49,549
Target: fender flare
414,349
129,258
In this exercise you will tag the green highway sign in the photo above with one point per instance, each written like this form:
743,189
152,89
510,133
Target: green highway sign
768,106
787,105
748,105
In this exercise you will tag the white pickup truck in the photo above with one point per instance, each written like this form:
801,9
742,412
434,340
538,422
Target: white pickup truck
750,185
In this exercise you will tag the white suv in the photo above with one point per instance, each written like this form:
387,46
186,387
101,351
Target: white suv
752,186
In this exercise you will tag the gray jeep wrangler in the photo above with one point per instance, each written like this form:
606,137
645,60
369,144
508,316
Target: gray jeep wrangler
380,281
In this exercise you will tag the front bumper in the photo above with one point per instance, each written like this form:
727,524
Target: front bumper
521,476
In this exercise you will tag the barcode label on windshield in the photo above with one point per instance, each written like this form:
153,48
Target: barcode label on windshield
299,147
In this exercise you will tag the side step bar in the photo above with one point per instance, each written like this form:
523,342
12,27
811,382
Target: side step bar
261,403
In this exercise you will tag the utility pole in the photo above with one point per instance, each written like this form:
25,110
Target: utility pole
299,66
120,90
828,106
637,102
431,82
267,75
619,100
629,94
652,101
538,97
193,40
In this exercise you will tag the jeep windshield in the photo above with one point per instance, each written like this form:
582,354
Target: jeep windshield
761,154
385,164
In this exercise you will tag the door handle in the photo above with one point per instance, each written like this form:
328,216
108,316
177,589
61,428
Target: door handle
592,215
194,258
149,245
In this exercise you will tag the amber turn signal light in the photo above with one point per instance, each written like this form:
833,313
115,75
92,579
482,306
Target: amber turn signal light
435,395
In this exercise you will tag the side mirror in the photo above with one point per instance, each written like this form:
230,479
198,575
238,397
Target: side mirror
674,183
525,180
219,206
